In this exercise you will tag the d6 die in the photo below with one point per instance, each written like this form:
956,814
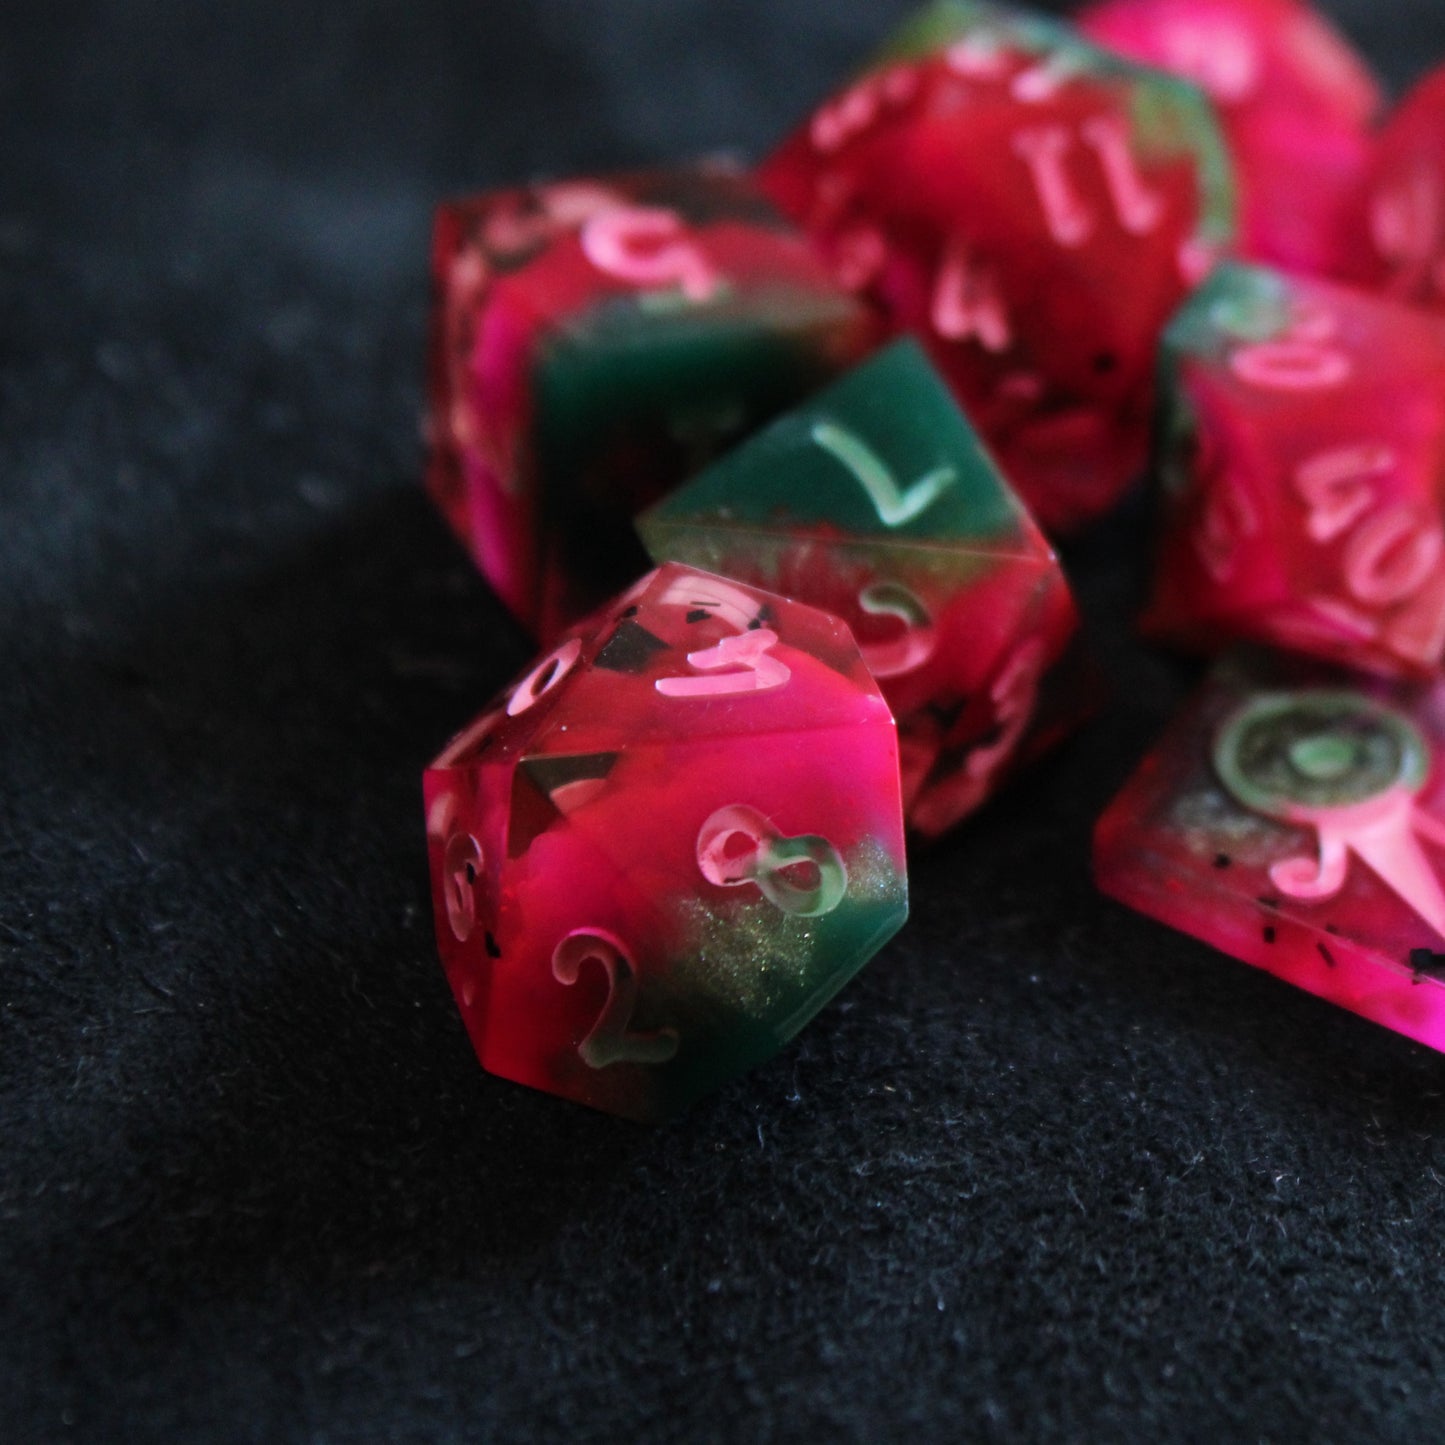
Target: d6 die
1296,102
594,342
1294,817
668,846
1033,209
875,501
1302,452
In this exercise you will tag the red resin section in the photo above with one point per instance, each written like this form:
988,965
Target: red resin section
997,201
1398,237
1296,102
1294,817
1303,456
596,341
667,846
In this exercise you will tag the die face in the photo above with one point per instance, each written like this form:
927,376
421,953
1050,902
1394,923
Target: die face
1398,234
593,343
875,501
1304,457
1292,95
1294,818
667,896
1033,209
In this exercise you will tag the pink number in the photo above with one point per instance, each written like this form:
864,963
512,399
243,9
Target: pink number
1407,224
1336,486
848,116
903,654
738,845
611,1040
544,677
1390,557
1227,523
1139,209
966,301
1291,365
461,867
647,247
749,651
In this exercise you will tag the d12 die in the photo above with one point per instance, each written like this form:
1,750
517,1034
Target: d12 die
1296,102
668,846
875,501
593,343
1033,209
1294,817
1303,459
1398,241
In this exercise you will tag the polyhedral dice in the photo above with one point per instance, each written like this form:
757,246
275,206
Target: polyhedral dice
596,341
1033,209
661,852
1302,454
1294,817
1296,102
1398,242
875,501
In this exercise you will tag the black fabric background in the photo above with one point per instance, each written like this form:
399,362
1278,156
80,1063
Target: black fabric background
1045,1171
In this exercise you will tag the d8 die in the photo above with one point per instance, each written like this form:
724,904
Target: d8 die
1294,817
668,846
1033,209
875,501
1303,459
1398,241
1296,102
594,342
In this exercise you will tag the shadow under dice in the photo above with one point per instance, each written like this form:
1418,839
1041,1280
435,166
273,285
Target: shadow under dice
1033,209
1302,454
1294,817
593,343
1398,239
668,846
876,502
1293,97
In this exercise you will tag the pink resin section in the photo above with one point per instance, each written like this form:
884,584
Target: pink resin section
641,888
1343,897
1296,102
1398,237
1309,508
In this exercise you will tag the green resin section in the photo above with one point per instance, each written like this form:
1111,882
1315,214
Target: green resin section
883,455
940,25
1237,305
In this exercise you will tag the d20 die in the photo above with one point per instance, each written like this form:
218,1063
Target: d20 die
1032,208
1296,102
661,852
1302,451
593,343
1294,817
876,501
1398,240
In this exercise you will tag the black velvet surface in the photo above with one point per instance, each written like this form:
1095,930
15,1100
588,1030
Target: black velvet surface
1045,1171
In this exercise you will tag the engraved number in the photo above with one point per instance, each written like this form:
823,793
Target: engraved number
908,652
610,1040
749,651
894,505
544,677
738,845
461,867
647,247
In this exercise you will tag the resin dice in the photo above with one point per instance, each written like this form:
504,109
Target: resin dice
1033,209
1302,456
661,852
596,341
1296,102
1399,238
875,501
1294,817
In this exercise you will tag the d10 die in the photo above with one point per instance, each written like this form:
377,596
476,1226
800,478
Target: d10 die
1033,209
1296,102
1303,458
875,501
596,341
668,846
1294,817
1399,234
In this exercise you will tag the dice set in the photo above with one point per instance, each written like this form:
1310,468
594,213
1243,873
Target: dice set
1007,264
